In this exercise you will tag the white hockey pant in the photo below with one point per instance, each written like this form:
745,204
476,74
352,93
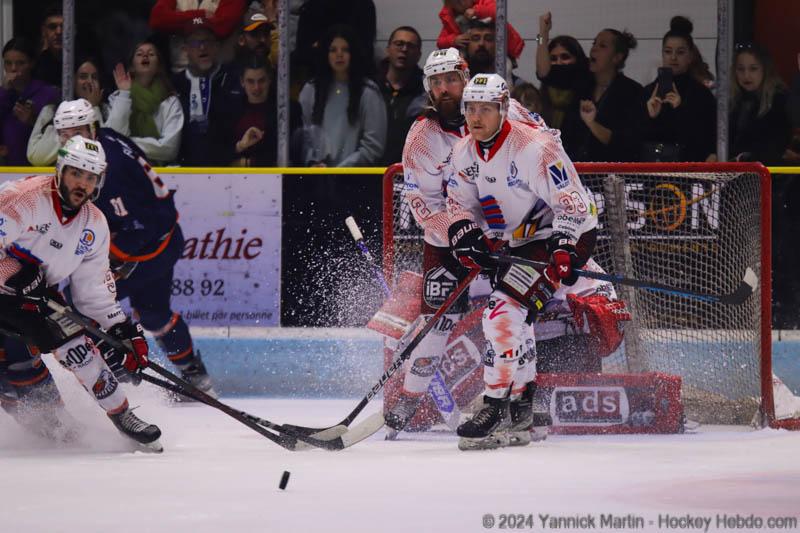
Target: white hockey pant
427,356
509,360
82,358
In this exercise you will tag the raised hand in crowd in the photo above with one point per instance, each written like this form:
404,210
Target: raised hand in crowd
23,110
588,112
122,78
545,24
250,138
87,84
655,102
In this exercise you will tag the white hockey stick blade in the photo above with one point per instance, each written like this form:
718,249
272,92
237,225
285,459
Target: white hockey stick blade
350,222
326,434
364,430
750,278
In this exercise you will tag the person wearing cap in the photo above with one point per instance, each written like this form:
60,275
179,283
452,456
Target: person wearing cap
207,91
258,36
172,16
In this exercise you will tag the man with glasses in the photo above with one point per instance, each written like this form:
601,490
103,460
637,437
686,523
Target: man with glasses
207,91
48,64
400,80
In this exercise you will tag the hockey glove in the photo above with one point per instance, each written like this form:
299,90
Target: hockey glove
563,258
126,365
469,245
28,281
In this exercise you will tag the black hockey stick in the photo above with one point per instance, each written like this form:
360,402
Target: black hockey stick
286,437
404,354
746,287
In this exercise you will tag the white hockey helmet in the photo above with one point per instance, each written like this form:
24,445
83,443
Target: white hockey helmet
441,61
74,113
487,88
83,153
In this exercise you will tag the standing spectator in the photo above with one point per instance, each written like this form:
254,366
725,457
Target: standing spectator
21,100
604,127
172,16
563,68
400,81
258,36
681,125
760,128
146,106
253,138
481,50
44,143
207,91
48,64
459,16
343,111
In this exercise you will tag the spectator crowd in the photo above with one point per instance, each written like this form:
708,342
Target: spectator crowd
198,89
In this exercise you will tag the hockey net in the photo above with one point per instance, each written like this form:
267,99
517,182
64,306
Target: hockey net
696,226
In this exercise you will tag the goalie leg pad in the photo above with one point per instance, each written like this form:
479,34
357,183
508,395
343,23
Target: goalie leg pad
427,356
507,339
81,357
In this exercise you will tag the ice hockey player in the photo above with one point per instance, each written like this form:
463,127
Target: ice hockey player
146,241
51,232
513,182
427,147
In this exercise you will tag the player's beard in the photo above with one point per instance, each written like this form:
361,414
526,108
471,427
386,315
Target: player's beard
448,109
66,197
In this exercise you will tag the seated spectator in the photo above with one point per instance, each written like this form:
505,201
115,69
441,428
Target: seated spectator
258,36
172,16
43,144
207,91
254,127
146,107
681,125
459,16
481,50
759,125
400,82
21,99
343,113
600,125
563,68
529,96
49,63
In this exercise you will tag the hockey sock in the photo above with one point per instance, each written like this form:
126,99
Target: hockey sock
80,356
175,340
508,338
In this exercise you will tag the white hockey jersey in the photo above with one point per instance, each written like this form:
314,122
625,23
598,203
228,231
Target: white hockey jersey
73,248
524,188
425,154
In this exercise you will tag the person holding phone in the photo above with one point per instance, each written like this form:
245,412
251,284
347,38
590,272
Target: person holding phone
680,112
21,99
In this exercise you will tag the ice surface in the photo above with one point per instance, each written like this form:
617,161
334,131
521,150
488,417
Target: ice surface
219,476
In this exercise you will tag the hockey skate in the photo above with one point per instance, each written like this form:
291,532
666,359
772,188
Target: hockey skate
398,416
526,426
487,430
40,411
144,434
195,373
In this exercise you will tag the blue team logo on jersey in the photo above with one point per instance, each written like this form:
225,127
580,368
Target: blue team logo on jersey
559,174
2,221
85,242
512,180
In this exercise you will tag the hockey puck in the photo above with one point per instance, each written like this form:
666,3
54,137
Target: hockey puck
284,480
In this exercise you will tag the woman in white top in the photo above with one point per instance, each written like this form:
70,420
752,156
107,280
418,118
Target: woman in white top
43,143
145,105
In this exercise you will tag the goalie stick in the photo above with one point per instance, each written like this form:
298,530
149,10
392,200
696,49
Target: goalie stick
285,437
746,286
440,394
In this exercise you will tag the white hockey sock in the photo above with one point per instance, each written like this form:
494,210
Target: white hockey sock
425,358
82,358
508,338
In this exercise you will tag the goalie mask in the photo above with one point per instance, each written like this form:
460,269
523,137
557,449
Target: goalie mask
441,61
487,88
86,154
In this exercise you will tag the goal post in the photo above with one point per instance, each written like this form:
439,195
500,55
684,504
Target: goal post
693,225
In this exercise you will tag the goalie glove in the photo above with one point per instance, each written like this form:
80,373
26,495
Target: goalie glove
602,319
470,246
126,365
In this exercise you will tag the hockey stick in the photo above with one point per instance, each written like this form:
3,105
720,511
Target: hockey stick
442,398
285,437
404,354
746,287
